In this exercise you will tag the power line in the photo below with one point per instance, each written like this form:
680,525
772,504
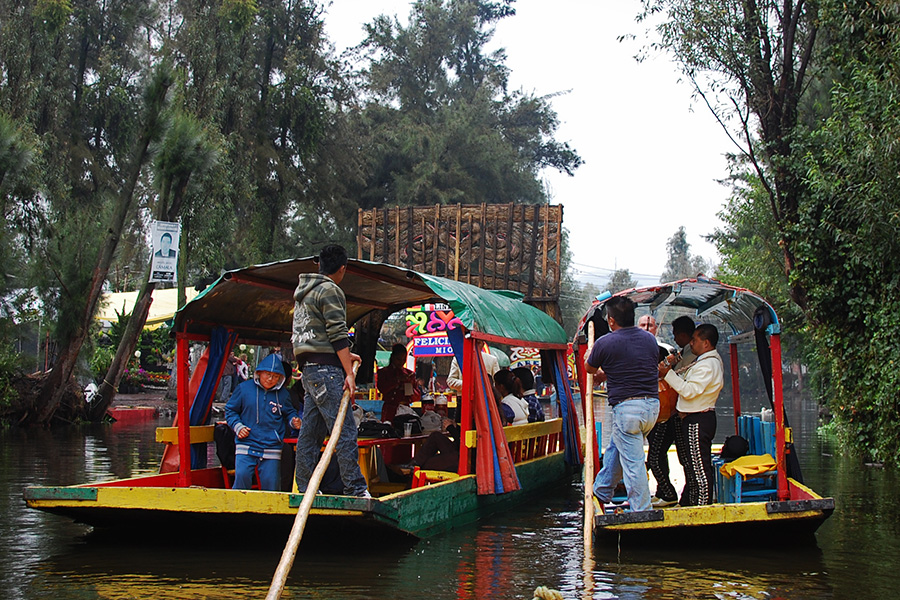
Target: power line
596,268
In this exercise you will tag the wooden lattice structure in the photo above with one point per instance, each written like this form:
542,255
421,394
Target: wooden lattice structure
494,246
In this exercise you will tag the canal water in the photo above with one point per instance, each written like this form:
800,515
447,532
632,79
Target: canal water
43,556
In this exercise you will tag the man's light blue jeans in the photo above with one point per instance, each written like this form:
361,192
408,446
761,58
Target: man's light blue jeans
632,420
323,385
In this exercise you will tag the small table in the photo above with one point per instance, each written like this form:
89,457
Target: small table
394,451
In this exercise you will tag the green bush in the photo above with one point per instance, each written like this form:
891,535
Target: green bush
154,345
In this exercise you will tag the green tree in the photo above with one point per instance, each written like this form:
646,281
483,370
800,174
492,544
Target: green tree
260,74
74,71
747,241
750,62
681,264
619,280
439,124
184,151
849,252
15,156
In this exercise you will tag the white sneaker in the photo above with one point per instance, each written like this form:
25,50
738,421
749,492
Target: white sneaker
365,494
660,503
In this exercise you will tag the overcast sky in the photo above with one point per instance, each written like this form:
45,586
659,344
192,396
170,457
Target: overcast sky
652,156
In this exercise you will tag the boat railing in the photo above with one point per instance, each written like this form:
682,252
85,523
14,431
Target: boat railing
529,441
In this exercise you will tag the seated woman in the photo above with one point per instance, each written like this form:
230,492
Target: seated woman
509,388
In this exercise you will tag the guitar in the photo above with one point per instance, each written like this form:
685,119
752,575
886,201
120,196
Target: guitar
668,397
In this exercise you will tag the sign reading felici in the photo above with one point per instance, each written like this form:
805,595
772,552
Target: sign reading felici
432,344
165,238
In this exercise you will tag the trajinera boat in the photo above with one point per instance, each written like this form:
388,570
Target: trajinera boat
759,495
498,466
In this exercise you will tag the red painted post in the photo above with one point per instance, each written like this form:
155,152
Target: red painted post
783,492
182,357
735,385
465,405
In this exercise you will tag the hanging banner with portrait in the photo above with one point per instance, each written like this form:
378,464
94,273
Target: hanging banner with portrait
165,238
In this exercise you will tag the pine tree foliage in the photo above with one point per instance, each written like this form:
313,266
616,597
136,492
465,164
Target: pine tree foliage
619,280
681,264
439,122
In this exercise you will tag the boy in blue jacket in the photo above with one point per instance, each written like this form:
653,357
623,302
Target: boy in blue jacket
257,412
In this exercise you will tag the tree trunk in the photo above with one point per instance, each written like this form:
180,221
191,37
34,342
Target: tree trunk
107,392
55,384
132,333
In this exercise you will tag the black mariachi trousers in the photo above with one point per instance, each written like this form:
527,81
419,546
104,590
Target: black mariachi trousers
693,439
660,440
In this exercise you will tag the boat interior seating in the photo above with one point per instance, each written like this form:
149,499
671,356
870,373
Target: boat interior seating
526,442
756,481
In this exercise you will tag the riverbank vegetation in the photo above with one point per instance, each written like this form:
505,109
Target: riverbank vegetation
236,119
809,93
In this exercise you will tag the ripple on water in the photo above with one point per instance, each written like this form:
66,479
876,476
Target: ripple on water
506,556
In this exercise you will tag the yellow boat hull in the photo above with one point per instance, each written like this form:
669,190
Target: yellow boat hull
791,520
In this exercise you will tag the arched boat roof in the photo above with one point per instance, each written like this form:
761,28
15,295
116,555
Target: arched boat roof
257,302
702,299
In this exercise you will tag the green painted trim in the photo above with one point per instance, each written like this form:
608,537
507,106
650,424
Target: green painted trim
61,493
368,505
442,506
422,512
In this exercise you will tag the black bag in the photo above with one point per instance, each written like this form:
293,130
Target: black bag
375,429
224,438
734,447
400,420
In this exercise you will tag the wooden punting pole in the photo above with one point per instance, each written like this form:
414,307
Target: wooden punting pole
588,396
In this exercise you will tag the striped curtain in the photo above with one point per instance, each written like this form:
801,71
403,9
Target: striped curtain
495,470
571,436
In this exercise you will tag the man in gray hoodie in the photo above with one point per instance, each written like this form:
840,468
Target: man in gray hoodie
322,348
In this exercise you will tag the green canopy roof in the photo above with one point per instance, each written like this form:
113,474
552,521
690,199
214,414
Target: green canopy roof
258,303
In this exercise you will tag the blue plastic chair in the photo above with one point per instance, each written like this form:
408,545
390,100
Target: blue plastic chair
760,436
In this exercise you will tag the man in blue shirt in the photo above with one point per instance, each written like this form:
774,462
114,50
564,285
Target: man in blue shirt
626,358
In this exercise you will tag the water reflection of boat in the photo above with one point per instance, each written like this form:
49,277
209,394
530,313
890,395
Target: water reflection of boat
770,504
498,466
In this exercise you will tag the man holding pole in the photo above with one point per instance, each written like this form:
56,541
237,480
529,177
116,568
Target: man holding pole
626,358
322,348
